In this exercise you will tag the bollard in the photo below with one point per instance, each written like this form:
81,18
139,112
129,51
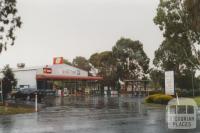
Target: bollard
36,108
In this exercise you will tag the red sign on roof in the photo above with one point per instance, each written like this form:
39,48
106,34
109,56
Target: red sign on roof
58,60
47,70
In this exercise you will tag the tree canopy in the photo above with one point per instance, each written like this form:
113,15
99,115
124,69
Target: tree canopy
82,63
178,50
193,9
157,78
9,22
95,59
175,19
127,60
132,61
9,80
105,63
66,61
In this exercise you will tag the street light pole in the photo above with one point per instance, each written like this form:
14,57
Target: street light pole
193,83
1,90
36,104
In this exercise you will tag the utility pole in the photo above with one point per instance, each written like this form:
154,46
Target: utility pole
36,102
193,83
1,90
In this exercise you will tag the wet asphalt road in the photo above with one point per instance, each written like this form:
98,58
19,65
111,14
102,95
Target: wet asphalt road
91,115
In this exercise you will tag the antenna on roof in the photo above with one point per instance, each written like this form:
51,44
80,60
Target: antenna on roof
20,65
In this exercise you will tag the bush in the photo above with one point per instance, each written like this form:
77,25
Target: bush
156,92
151,98
158,99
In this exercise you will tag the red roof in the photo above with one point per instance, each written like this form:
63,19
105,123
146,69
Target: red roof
59,77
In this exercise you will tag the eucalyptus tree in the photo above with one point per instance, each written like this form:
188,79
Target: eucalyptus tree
157,78
66,61
174,19
132,61
193,9
8,82
105,64
82,63
178,51
10,21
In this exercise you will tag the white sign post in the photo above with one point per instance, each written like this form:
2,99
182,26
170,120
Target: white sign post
169,82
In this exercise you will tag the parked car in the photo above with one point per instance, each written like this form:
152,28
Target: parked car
29,94
24,94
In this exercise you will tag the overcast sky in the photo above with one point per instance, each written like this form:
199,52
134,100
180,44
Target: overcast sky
70,28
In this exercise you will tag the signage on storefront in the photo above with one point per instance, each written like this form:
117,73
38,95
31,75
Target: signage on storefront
169,82
70,72
62,70
47,70
58,60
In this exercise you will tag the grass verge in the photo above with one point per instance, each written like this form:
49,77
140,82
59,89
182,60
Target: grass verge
14,110
197,100
153,105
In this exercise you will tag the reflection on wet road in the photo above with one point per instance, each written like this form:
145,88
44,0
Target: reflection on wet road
90,115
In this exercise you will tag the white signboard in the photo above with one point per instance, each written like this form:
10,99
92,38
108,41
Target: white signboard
169,82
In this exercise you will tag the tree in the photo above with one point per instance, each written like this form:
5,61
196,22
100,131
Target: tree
193,9
66,61
105,63
8,81
132,61
177,51
82,63
107,68
9,22
174,20
95,59
157,78
127,60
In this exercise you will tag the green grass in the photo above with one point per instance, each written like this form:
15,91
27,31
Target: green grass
153,105
14,110
197,100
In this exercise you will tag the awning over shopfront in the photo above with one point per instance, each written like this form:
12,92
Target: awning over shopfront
62,77
71,80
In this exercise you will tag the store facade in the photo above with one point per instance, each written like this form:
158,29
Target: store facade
71,80
59,77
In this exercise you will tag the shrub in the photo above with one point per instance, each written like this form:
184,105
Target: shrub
158,99
156,92
151,98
